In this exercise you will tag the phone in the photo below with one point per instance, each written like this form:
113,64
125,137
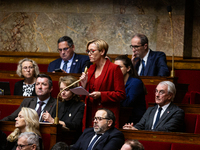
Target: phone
58,70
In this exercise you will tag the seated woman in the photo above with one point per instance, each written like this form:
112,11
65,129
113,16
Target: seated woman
70,110
104,81
135,89
27,121
27,69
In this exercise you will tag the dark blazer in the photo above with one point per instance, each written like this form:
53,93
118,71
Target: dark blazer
156,64
71,112
31,103
135,98
172,119
78,64
112,139
3,140
18,90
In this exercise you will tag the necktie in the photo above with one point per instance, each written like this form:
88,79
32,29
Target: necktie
65,66
93,141
40,107
143,68
157,117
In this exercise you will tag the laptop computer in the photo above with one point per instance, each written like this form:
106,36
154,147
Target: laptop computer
4,88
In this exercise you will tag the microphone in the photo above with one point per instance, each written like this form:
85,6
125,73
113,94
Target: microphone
169,9
56,119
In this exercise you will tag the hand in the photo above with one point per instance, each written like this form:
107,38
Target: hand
84,78
47,117
62,123
133,60
95,95
129,126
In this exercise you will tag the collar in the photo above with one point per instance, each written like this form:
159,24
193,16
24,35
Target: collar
165,106
146,57
45,101
69,61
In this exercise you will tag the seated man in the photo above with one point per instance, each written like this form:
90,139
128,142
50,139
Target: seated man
103,135
69,61
42,102
132,145
165,116
28,140
146,61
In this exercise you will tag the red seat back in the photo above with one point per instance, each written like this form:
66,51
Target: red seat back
180,146
153,145
190,122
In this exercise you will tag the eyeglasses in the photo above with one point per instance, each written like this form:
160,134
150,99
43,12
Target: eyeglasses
91,51
63,49
99,118
30,67
21,146
161,92
135,46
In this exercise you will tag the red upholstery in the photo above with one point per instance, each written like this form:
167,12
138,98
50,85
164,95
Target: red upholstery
153,145
46,139
197,127
180,146
56,89
6,110
190,122
189,77
194,97
150,97
13,67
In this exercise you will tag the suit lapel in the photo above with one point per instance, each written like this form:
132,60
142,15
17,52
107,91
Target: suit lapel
165,114
74,62
33,103
149,60
49,105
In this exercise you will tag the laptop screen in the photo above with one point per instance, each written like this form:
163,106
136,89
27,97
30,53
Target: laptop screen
4,88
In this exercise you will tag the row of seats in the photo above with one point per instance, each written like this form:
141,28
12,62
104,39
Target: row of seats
154,145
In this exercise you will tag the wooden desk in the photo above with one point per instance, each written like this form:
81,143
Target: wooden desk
11,99
172,137
57,133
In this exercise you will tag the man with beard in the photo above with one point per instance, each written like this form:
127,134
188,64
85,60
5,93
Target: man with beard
103,135
42,102
165,116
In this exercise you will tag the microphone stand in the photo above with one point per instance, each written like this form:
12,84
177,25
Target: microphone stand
56,119
172,39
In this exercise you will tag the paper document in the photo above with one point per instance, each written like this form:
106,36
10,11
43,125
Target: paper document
79,91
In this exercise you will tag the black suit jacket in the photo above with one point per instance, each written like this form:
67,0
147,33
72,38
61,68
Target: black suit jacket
112,139
78,64
31,103
71,112
18,90
156,64
172,119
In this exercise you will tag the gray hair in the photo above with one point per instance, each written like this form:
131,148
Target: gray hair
170,88
19,67
31,138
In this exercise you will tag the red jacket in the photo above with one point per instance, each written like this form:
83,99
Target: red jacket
112,88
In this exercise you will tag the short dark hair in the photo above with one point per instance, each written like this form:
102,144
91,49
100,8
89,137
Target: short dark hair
66,39
60,146
110,115
46,76
135,144
142,37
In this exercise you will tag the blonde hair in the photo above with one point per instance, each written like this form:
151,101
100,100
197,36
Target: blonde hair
67,80
19,67
32,124
101,44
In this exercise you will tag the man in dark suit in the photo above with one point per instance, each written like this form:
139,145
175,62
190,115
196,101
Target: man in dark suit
165,116
103,135
42,102
146,61
69,61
